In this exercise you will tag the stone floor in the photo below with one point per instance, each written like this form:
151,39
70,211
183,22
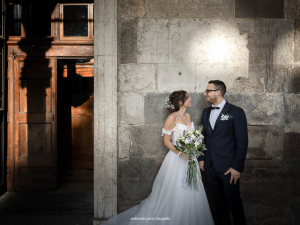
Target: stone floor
43,208
272,214
72,204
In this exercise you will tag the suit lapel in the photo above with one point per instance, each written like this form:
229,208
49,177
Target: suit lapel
207,121
224,111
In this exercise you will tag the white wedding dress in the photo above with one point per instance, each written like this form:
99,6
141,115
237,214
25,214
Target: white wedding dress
169,202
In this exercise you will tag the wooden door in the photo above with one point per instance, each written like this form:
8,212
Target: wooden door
83,135
35,123
2,101
75,114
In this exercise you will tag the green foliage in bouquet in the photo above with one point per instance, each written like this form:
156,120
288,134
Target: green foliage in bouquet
191,143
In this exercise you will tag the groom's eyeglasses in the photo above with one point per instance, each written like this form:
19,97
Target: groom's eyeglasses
207,90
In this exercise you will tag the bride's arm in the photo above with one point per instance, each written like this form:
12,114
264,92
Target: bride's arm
169,125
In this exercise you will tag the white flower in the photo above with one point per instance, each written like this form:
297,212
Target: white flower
197,132
193,136
225,117
196,144
168,103
187,141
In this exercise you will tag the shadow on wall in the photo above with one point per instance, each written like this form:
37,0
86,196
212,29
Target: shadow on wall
34,108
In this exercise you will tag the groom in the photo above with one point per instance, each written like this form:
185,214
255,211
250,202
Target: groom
226,139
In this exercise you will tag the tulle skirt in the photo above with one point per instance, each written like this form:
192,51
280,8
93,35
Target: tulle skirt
169,202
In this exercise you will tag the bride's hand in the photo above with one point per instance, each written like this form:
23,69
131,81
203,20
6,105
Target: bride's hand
188,159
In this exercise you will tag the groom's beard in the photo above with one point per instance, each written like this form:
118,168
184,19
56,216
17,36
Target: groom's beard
209,101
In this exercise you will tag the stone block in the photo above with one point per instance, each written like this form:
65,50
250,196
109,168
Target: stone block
124,142
266,181
131,108
124,205
156,113
270,41
265,142
134,191
274,142
252,83
292,9
270,75
256,147
246,9
297,39
127,41
265,213
136,77
292,112
274,76
230,41
136,169
191,41
229,74
240,41
174,77
155,109
132,8
291,148
294,175
152,41
191,9
257,78
292,80
260,109
147,142
259,9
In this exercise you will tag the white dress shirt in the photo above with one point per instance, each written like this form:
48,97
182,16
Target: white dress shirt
215,113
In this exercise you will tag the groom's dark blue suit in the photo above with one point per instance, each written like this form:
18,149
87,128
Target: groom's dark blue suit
226,147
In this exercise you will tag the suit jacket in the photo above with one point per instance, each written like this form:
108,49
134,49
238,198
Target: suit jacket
227,144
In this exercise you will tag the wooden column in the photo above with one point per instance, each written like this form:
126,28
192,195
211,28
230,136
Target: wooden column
105,110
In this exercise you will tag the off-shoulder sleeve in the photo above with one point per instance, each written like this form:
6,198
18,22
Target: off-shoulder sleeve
168,132
193,126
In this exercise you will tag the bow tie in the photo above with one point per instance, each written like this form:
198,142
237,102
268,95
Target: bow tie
215,108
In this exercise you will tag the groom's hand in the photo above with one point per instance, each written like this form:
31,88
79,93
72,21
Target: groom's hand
235,175
201,165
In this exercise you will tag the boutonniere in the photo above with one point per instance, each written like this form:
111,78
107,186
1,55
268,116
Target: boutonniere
226,117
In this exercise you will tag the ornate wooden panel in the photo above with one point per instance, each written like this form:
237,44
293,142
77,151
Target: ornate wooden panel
34,123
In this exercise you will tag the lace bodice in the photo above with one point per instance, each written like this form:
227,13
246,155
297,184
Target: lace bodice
177,130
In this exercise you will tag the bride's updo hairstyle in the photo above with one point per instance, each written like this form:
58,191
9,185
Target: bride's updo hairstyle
175,98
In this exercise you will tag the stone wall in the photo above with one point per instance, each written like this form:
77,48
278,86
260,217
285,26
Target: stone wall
252,45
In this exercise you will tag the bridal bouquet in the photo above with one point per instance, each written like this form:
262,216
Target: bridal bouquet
191,144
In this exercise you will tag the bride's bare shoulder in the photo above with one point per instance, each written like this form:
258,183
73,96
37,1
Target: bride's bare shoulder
170,122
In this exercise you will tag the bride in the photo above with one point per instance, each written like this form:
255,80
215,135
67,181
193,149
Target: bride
170,202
